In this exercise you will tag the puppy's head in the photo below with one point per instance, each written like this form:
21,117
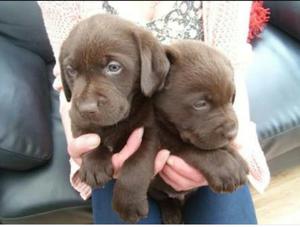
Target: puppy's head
198,95
104,62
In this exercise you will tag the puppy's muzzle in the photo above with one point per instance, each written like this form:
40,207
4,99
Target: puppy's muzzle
228,130
100,109
90,106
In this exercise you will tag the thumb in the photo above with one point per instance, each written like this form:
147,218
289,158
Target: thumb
160,160
83,144
133,143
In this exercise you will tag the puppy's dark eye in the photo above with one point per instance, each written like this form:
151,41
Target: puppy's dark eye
200,105
70,71
113,68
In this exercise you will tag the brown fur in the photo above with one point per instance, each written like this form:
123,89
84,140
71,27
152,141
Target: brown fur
114,104
199,136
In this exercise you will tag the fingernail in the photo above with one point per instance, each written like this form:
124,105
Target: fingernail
93,141
164,155
140,133
166,152
170,161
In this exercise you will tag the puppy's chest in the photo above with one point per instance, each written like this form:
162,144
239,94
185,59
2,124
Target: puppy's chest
170,141
115,137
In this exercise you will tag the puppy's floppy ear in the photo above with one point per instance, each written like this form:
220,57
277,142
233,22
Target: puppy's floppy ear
172,53
154,62
66,87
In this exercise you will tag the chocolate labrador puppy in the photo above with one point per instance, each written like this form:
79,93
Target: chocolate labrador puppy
110,67
197,122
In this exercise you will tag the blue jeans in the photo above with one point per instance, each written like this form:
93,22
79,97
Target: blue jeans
203,207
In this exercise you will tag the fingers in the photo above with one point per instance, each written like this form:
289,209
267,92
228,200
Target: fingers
65,106
83,144
170,182
181,176
132,145
56,70
57,84
178,182
160,160
185,170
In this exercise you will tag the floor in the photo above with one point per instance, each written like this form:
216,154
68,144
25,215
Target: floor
280,203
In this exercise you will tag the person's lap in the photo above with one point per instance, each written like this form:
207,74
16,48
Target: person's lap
203,207
207,207
104,214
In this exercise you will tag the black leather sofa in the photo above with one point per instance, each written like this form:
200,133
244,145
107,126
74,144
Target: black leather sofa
273,84
34,168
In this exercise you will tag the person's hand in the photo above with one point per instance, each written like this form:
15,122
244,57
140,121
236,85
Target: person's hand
82,144
180,175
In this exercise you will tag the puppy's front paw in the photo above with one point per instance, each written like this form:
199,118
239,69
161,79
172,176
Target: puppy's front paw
131,208
96,173
131,212
229,176
227,183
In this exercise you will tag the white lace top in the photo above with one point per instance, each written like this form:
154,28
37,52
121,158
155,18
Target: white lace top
223,25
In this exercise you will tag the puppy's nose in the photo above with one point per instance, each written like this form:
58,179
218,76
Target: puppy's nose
230,131
89,106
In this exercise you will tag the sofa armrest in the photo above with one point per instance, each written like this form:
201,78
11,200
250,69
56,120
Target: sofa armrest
285,15
25,132
43,191
273,84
